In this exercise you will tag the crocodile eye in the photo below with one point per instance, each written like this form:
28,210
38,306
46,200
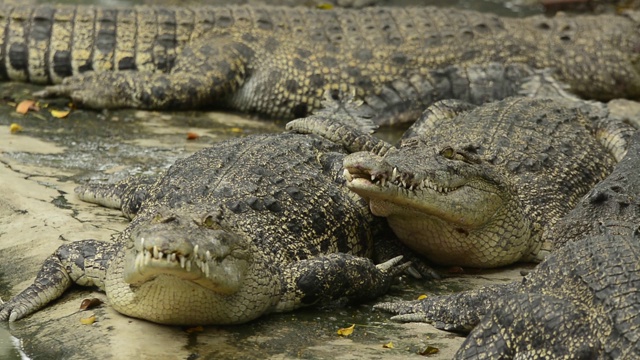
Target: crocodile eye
448,152
209,221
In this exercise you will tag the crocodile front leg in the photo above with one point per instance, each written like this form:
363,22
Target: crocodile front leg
83,262
334,277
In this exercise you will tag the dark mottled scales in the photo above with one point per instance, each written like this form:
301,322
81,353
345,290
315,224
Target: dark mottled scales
482,186
582,302
397,59
251,226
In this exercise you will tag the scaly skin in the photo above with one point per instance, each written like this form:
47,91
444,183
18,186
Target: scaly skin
251,226
280,61
479,187
581,302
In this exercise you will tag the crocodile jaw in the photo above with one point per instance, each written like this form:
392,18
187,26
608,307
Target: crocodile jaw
457,205
453,216
214,259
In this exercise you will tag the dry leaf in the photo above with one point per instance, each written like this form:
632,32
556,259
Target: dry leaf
25,105
429,350
236,130
325,6
15,128
455,270
388,345
90,303
60,113
421,297
346,331
194,329
88,320
192,136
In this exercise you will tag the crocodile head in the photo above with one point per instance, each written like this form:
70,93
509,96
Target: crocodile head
189,248
445,202
182,267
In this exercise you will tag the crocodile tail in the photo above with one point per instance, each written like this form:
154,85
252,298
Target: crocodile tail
44,44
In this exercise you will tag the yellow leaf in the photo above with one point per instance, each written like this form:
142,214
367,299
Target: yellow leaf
346,331
429,350
388,345
325,6
25,105
88,320
423,296
15,128
236,130
60,113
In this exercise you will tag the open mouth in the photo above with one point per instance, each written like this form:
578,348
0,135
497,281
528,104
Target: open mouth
153,257
357,177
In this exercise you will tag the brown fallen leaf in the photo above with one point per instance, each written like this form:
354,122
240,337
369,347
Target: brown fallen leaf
15,128
429,350
88,320
388,345
25,105
455,270
60,113
87,304
346,331
194,329
192,136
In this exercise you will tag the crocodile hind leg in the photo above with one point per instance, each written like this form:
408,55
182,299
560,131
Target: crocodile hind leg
336,276
533,326
203,74
83,262
126,195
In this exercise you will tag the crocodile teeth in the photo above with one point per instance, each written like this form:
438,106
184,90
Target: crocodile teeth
172,257
394,174
383,181
195,250
155,252
347,175
138,263
208,255
141,243
188,265
373,177
147,257
183,261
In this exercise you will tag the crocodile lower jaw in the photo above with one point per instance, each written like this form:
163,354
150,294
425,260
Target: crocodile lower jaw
146,265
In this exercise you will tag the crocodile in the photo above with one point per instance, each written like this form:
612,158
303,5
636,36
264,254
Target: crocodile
279,61
581,302
482,186
251,226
